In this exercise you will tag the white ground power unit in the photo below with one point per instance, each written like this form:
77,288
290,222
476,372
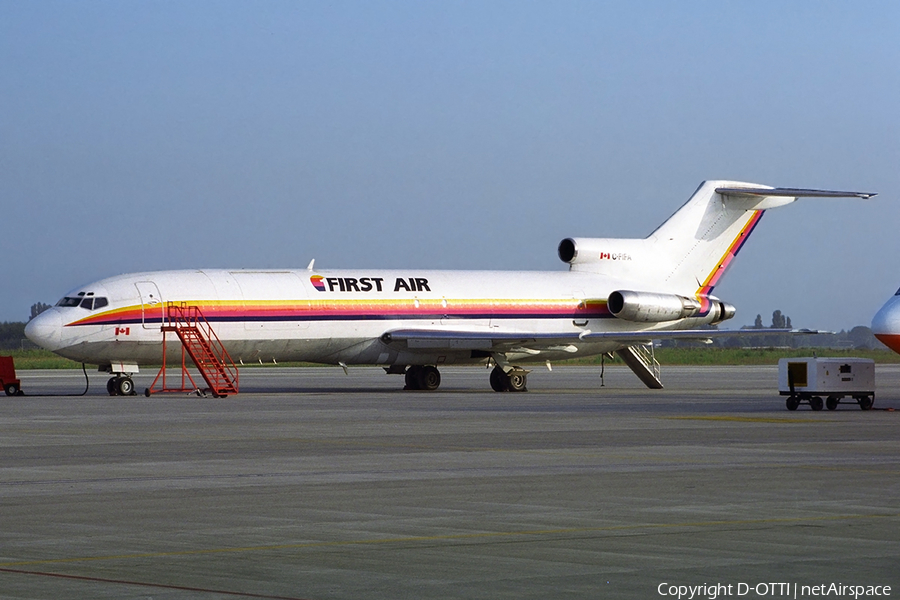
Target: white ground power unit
808,380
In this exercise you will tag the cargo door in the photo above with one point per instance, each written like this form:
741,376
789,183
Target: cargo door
152,305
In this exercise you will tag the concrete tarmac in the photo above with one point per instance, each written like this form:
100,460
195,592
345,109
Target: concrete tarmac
315,485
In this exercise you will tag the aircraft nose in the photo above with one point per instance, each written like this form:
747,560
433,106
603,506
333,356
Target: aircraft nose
45,330
886,324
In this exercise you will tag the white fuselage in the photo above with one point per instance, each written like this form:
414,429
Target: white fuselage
337,316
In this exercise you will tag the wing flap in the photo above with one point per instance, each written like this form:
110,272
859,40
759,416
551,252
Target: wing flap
502,341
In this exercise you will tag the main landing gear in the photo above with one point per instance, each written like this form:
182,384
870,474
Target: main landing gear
514,381
121,385
427,378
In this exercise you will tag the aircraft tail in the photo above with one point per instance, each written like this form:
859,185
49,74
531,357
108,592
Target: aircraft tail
688,253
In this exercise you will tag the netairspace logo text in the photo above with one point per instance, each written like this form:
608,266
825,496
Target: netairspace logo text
771,590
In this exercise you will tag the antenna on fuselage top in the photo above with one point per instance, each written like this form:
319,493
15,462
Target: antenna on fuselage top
309,267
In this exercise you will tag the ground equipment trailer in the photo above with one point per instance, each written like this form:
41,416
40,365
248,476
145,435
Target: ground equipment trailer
808,380
11,385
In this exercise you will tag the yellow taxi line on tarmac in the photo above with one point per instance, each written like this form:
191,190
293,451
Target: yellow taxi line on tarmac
647,527
752,419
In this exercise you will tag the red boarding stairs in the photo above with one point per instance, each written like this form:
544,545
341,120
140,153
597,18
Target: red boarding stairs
202,345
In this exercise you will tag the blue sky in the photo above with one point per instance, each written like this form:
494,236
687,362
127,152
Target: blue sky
469,135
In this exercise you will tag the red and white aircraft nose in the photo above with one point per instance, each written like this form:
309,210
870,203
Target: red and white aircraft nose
886,323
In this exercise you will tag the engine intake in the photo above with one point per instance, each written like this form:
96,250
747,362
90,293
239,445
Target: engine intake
648,307
567,250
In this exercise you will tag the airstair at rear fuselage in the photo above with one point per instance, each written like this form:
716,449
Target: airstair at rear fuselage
202,345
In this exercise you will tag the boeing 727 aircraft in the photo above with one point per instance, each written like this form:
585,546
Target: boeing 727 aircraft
617,296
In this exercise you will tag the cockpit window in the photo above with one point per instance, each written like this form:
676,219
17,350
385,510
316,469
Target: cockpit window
89,302
69,302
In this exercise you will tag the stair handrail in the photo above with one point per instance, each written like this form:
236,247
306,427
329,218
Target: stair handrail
648,356
178,313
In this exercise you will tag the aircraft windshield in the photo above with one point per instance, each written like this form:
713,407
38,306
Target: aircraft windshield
69,302
88,301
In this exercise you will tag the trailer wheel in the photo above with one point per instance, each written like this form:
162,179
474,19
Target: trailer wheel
11,389
865,402
792,402
832,402
816,403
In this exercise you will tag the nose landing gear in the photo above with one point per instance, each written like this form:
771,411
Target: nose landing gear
121,385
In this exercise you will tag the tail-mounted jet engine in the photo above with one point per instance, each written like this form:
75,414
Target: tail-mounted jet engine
647,307
725,311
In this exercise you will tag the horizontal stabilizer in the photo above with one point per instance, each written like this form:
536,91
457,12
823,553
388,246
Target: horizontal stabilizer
791,193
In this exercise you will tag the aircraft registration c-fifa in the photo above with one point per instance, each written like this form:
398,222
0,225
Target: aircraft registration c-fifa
617,296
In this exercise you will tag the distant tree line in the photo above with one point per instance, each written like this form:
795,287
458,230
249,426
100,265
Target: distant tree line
11,335
860,337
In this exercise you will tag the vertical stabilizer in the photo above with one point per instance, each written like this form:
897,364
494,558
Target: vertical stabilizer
690,252
700,240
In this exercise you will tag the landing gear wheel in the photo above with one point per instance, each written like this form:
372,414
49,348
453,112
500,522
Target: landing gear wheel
831,403
429,378
112,386
125,386
499,380
816,403
792,402
11,389
516,381
865,402
412,377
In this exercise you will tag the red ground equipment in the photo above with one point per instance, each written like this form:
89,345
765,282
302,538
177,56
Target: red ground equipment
11,385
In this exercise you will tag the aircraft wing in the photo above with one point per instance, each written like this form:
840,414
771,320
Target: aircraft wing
502,341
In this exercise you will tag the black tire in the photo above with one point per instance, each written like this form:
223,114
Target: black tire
499,380
816,403
412,377
792,402
147,392
429,378
112,386
516,381
11,389
866,402
832,402
125,386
